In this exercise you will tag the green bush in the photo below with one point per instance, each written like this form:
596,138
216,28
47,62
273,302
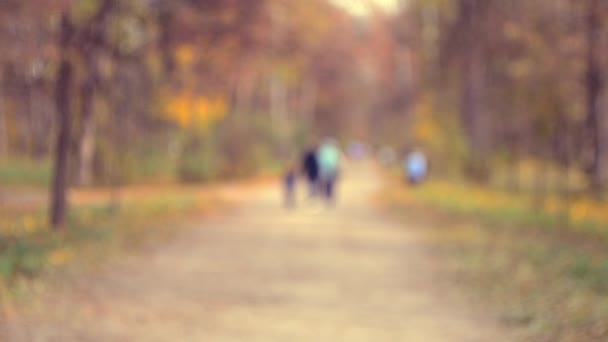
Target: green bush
144,160
195,168
198,161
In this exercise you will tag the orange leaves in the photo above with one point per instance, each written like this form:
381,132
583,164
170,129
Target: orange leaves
178,110
196,112
188,110
427,130
185,55
60,257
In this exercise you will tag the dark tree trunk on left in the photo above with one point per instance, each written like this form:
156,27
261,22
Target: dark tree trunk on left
3,126
475,118
58,205
594,85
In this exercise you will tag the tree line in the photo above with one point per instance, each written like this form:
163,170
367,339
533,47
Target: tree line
215,87
113,91
524,79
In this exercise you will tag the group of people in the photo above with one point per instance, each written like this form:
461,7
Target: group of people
320,166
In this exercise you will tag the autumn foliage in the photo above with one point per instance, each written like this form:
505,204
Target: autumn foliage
195,112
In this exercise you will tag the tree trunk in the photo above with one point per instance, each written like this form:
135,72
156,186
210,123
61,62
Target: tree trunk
87,140
58,205
473,88
245,83
3,134
27,122
564,157
278,103
90,51
166,18
474,115
603,139
308,104
4,141
594,85
38,125
3,129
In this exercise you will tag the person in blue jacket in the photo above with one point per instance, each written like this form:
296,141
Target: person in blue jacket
416,167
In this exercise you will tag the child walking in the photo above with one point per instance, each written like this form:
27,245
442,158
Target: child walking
289,185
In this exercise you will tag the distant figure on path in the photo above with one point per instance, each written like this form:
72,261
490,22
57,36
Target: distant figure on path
416,167
357,150
310,167
289,185
329,162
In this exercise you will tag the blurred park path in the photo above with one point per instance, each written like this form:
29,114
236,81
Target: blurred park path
261,272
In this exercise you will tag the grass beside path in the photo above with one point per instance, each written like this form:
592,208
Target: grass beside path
546,277
100,224
25,172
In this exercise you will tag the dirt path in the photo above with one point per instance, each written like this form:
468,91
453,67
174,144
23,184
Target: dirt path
263,273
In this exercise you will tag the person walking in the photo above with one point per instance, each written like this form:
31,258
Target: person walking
310,167
289,185
328,158
416,167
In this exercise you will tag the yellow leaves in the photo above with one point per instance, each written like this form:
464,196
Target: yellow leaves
29,225
586,210
60,257
85,9
184,55
21,224
469,198
553,205
579,211
178,109
425,129
196,112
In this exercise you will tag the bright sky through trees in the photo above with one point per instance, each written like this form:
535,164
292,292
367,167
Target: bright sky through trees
365,7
